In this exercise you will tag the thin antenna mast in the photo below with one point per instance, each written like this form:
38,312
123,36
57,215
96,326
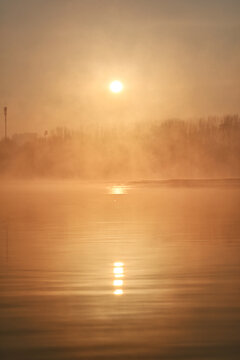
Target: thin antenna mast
5,119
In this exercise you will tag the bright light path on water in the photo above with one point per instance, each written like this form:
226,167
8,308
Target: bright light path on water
118,190
118,292
118,271
116,264
117,282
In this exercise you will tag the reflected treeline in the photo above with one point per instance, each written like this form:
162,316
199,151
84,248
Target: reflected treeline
153,149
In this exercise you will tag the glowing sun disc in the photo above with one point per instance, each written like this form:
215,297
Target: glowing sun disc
116,86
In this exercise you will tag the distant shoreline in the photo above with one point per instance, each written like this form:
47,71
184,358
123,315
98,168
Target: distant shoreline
228,182
58,183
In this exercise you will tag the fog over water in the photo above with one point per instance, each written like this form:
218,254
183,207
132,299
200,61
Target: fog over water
207,148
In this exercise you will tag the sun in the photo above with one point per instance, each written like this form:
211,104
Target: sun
116,86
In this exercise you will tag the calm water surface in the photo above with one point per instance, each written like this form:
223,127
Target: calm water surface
140,273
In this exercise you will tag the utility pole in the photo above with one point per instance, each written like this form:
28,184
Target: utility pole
5,118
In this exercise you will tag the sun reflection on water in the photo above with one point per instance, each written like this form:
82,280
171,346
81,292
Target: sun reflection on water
116,264
117,282
118,292
118,271
118,190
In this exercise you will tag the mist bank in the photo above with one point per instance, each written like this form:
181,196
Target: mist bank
207,148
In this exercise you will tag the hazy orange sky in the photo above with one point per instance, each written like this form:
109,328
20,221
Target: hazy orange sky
176,58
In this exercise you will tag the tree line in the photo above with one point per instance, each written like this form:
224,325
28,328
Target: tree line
206,148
